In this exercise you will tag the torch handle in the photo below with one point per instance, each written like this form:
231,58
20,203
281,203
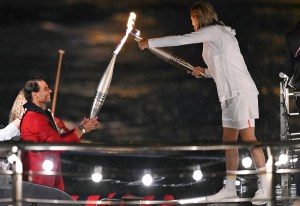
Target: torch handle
97,104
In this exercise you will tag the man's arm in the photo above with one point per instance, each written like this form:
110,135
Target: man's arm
45,133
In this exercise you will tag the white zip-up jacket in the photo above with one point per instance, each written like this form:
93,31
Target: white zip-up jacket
221,54
9,132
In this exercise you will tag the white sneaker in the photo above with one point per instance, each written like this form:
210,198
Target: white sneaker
259,198
222,195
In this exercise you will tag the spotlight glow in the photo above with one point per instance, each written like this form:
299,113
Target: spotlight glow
47,165
14,149
147,179
197,175
283,159
295,160
97,177
247,162
12,158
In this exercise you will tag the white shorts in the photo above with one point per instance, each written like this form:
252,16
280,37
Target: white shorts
240,112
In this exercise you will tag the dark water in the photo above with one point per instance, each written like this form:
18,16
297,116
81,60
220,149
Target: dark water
149,101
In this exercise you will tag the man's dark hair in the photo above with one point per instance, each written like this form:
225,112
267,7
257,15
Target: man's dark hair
31,86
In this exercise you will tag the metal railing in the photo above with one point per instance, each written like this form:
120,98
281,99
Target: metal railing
17,149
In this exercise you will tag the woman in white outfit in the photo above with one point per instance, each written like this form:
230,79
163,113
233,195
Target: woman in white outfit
11,130
16,113
236,90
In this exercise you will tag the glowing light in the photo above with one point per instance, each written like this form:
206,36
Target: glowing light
247,162
197,175
130,24
192,200
14,149
97,177
12,158
47,165
147,179
283,159
97,174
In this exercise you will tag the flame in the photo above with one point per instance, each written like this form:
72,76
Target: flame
130,25
138,33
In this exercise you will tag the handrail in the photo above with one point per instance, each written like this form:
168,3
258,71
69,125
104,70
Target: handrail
116,149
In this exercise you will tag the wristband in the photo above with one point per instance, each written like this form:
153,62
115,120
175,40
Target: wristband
82,129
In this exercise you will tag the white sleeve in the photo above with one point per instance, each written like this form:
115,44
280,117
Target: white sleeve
206,71
9,132
202,35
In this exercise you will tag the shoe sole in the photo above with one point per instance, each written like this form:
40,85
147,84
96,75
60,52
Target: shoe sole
227,198
259,202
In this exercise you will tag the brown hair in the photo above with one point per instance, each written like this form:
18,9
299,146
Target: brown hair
17,109
205,14
31,86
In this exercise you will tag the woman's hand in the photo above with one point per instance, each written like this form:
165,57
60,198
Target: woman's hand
143,44
197,72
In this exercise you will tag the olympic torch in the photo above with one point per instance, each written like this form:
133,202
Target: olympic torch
105,81
170,58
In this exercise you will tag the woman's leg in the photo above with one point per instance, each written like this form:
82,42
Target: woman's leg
231,155
248,135
232,163
231,158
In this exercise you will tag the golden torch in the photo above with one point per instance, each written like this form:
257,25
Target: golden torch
104,83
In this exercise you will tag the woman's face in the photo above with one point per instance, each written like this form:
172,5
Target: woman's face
195,23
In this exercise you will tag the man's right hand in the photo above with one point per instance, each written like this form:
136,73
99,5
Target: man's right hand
90,124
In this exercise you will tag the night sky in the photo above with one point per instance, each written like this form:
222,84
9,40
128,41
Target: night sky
149,101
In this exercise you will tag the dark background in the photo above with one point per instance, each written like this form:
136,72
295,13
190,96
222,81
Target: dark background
149,101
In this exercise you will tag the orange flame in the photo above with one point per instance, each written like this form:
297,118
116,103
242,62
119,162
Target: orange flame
130,24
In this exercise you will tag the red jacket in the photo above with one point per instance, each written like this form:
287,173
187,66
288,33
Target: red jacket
38,126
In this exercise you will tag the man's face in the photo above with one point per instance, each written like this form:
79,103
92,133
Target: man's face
43,95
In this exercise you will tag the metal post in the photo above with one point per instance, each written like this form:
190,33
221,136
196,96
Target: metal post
17,179
284,133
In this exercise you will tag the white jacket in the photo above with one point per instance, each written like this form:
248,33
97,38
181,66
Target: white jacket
9,132
221,54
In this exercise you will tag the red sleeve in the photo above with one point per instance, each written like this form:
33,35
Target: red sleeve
37,126
60,124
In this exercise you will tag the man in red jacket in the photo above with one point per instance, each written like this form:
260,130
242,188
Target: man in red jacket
39,126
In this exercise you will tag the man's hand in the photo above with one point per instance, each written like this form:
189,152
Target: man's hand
197,72
90,124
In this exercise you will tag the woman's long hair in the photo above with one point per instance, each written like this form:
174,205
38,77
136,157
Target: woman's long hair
17,109
205,14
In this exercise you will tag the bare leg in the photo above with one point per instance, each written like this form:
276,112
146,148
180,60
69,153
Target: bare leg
247,135
231,155
232,163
